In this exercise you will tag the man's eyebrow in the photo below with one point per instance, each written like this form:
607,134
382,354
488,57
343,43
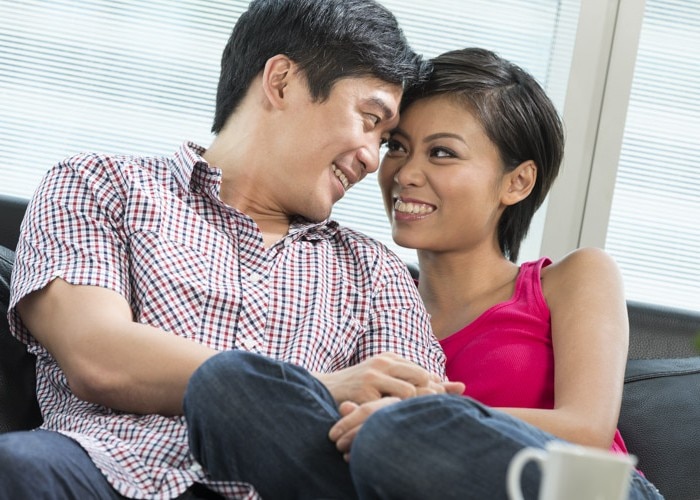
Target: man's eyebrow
387,112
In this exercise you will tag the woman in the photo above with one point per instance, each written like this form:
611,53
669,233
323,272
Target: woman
474,155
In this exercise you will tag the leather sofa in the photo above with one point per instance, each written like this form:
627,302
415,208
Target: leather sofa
660,417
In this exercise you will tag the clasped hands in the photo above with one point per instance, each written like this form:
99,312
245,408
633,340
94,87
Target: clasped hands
373,384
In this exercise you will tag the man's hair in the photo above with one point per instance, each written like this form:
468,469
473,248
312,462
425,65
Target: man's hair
327,39
517,116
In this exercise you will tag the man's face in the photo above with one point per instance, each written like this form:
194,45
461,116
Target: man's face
330,146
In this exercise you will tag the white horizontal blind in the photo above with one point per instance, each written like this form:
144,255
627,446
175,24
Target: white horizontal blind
96,75
654,230
140,77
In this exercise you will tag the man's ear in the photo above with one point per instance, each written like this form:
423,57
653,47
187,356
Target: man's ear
276,77
519,182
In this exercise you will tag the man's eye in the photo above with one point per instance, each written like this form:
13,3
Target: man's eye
374,119
394,145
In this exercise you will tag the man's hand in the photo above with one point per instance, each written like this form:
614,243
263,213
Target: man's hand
373,384
353,415
387,374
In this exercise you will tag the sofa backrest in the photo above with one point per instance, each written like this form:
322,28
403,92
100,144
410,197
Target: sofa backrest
18,406
12,211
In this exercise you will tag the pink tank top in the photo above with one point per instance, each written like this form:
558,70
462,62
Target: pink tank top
505,356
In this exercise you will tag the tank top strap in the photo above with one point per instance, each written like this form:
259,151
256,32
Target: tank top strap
528,285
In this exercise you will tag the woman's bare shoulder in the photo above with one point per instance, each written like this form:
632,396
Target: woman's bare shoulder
590,265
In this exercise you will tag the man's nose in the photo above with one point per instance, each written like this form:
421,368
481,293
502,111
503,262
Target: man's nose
368,156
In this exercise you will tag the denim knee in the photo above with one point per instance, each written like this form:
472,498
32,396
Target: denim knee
223,364
415,448
264,421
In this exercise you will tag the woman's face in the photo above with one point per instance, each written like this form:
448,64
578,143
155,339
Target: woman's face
442,178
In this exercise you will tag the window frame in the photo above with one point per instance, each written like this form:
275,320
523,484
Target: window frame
595,111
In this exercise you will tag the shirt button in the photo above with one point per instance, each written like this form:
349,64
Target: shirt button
255,277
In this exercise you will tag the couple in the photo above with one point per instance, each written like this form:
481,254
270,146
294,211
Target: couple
203,330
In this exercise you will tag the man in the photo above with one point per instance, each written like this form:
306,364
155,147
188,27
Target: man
134,273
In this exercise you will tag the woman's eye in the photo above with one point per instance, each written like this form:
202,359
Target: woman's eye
442,153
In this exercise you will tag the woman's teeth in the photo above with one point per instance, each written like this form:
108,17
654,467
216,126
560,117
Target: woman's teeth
412,208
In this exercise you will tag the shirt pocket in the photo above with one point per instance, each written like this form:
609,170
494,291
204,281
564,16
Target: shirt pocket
325,342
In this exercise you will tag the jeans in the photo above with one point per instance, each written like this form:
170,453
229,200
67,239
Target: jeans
448,447
46,465
43,464
266,423
235,433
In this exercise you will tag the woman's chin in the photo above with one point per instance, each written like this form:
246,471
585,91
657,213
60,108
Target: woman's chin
406,240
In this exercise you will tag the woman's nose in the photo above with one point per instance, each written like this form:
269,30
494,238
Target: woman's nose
408,173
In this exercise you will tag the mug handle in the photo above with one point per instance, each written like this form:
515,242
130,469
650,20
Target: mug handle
515,469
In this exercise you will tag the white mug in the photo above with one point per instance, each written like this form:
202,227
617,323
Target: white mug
574,472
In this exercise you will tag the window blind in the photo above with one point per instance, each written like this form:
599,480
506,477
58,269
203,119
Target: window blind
654,229
140,77
115,77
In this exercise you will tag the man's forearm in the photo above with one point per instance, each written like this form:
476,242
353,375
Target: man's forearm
108,358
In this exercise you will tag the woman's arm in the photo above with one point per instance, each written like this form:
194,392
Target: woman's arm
590,332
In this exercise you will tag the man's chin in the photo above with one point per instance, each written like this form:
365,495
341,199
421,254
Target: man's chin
316,215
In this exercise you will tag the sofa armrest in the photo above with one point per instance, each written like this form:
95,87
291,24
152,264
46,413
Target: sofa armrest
660,422
18,406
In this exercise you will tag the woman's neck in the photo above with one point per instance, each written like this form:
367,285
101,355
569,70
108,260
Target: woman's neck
457,288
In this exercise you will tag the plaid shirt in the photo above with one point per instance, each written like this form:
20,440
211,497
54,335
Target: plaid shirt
155,231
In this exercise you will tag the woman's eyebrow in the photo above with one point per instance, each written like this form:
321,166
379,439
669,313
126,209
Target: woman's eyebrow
443,135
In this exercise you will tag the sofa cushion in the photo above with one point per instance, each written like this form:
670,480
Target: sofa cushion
660,422
18,407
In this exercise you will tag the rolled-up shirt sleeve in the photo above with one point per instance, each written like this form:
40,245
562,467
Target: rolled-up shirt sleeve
71,231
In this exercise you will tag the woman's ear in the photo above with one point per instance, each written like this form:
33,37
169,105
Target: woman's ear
276,77
519,183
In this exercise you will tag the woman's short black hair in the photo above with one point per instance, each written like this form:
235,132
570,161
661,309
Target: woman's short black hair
518,117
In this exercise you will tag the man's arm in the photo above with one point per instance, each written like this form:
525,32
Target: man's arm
384,375
113,361
108,358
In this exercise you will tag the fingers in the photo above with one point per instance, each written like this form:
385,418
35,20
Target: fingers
353,416
347,407
392,375
403,369
454,387
385,375
441,388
